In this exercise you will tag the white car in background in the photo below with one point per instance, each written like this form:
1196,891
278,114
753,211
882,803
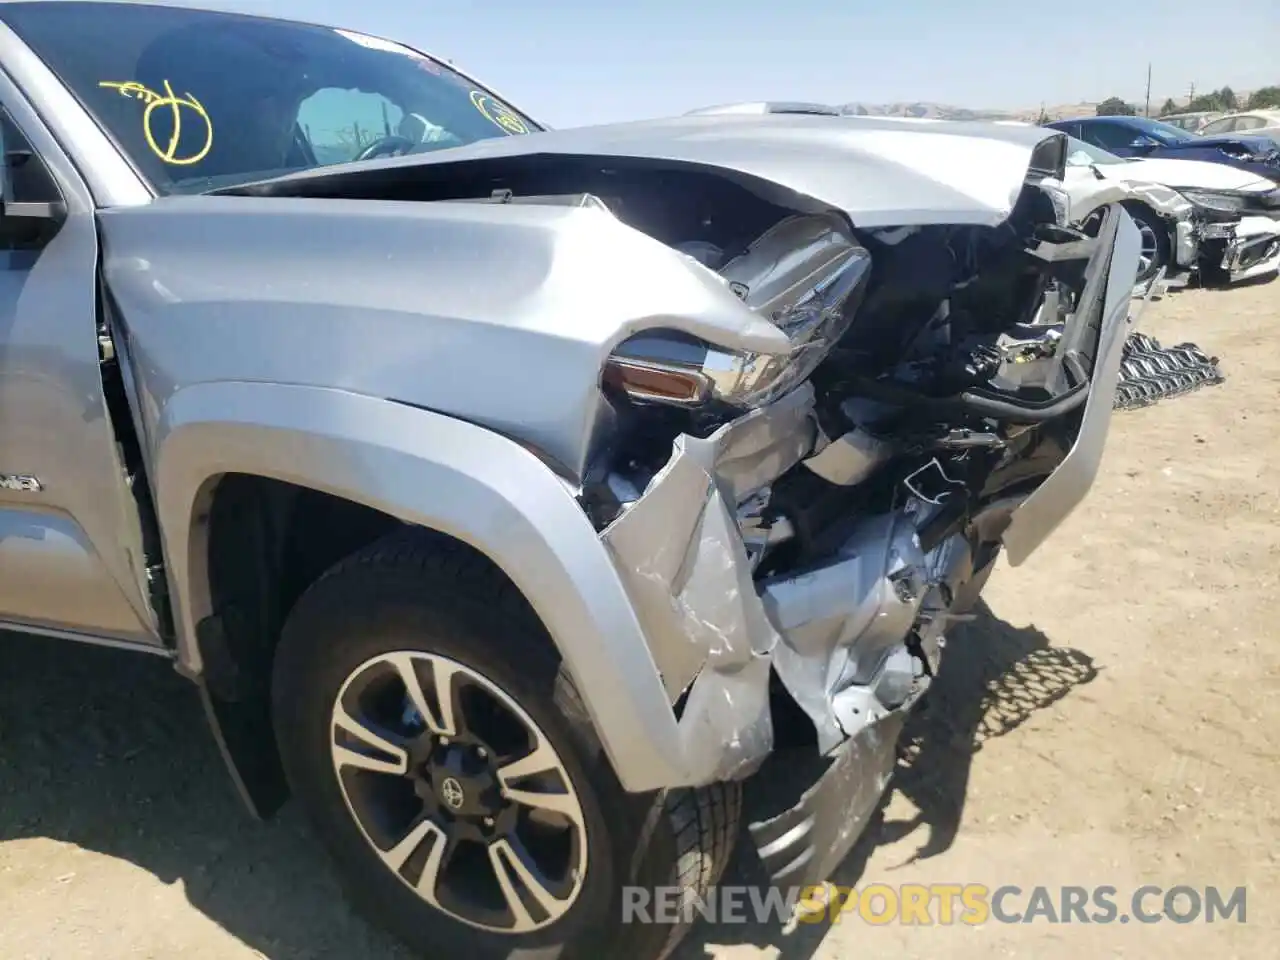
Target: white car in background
1192,122
1260,123
1193,216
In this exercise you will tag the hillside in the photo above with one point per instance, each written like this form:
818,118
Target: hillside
945,111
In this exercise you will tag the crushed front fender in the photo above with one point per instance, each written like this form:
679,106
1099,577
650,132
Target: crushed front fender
684,564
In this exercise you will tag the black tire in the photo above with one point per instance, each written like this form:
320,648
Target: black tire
417,592
1151,224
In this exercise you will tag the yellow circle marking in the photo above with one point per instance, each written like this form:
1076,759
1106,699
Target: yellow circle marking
497,114
170,152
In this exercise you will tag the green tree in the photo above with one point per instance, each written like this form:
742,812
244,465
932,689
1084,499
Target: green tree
1264,98
1222,101
1168,108
1115,107
1204,102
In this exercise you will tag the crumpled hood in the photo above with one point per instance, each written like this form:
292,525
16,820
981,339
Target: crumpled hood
880,172
1258,147
1186,173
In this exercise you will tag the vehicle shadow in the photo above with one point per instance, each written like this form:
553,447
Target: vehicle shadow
108,751
996,676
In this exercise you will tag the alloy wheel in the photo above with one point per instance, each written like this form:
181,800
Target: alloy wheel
458,791
1150,249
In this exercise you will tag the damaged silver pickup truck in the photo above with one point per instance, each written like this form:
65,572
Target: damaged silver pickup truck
511,496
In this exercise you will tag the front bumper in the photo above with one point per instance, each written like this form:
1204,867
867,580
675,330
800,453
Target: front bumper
717,637
1253,250
804,842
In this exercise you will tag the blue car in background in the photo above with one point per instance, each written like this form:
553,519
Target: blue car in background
1150,139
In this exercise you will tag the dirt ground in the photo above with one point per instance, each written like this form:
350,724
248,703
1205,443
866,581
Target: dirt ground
1111,717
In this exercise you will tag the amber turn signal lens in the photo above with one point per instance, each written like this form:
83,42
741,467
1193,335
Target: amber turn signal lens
657,383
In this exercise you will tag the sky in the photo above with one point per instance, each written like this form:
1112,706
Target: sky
573,62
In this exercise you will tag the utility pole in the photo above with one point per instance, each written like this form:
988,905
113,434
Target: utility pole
1147,110
1192,95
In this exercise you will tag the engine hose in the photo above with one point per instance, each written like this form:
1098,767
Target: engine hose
973,403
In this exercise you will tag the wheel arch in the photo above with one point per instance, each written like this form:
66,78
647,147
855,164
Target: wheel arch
1145,208
407,466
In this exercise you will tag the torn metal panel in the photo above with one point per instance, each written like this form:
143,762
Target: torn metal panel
685,566
655,541
727,728
1162,199
869,595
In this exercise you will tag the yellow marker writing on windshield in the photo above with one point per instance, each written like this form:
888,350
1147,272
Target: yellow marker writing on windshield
169,152
497,114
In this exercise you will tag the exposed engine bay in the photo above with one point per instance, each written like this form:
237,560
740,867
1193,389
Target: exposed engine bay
939,376
945,344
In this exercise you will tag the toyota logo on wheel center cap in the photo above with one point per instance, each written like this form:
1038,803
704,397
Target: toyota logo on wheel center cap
452,793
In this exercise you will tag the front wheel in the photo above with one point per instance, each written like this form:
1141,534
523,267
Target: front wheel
449,766
1156,250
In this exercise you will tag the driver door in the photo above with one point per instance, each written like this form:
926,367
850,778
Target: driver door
71,562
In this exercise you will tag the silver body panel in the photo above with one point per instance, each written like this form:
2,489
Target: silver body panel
434,306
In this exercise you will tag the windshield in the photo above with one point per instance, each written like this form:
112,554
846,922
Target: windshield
1160,132
1081,154
198,99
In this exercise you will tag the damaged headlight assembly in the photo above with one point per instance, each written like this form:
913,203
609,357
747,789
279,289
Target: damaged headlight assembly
1218,201
807,275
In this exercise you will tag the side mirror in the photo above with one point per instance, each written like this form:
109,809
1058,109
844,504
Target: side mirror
6,188
17,160
1142,145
